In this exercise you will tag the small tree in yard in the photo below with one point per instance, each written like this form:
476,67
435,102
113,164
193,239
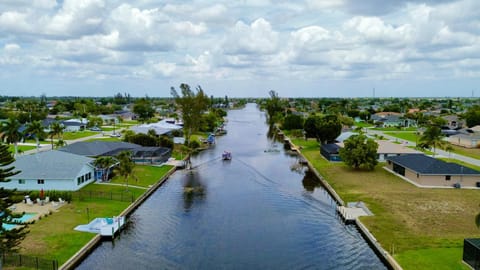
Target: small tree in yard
360,152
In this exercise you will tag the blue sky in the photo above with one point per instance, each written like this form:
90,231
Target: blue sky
311,48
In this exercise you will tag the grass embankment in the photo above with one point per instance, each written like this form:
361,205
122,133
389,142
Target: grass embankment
54,237
422,228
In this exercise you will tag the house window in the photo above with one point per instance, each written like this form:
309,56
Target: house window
79,180
389,162
21,181
41,181
418,175
447,177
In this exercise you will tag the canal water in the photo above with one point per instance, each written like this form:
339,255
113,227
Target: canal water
260,210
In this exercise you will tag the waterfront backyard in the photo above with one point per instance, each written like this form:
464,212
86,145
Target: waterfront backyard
53,236
421,228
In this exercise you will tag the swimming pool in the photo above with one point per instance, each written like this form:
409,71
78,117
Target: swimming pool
26,217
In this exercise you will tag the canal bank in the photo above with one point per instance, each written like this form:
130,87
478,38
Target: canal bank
372,241
96,240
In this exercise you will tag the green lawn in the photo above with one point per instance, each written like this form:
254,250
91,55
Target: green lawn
469,152
21,148
105,139
53,237
363,124
78,134
424,227
150,175
408,136
396,129
35,142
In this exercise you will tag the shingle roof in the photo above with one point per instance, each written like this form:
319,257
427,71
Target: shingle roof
98,148
427,165
49,165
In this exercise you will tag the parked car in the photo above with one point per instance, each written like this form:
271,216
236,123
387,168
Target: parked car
95,129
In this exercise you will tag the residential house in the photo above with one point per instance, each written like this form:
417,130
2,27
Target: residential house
140,154
454,121
163,127
388,149
391,119
330,151
467,140
427,171
51,170
74,125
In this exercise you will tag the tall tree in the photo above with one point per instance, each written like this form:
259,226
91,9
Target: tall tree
191,105
274,107
11,134
36,128
56,129
143,108
472,116
9,239
329,128
359,152
324,128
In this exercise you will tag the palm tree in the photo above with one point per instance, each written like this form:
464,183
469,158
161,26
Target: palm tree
56,129
432,137
36,128
104,163
126,166
11,134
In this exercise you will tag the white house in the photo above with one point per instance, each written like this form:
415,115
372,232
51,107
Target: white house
51,170
74,125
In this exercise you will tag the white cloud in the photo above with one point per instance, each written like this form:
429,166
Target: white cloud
256,38
11,47
77,17
242,40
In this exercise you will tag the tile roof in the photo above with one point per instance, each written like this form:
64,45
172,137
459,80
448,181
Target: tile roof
49,165
427,165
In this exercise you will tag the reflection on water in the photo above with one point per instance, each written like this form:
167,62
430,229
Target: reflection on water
257,211
193,190
310,181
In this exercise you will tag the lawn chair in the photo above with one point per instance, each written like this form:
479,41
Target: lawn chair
47,199
29,202
60,200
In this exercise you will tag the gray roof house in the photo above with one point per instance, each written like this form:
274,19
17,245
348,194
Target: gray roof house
140,154
426,171
51,170
98,148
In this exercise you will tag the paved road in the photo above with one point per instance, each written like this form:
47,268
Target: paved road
438,152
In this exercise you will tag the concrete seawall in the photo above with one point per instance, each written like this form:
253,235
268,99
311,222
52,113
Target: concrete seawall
389,261
92,244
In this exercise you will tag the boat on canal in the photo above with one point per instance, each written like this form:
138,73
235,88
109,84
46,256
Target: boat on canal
227,155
